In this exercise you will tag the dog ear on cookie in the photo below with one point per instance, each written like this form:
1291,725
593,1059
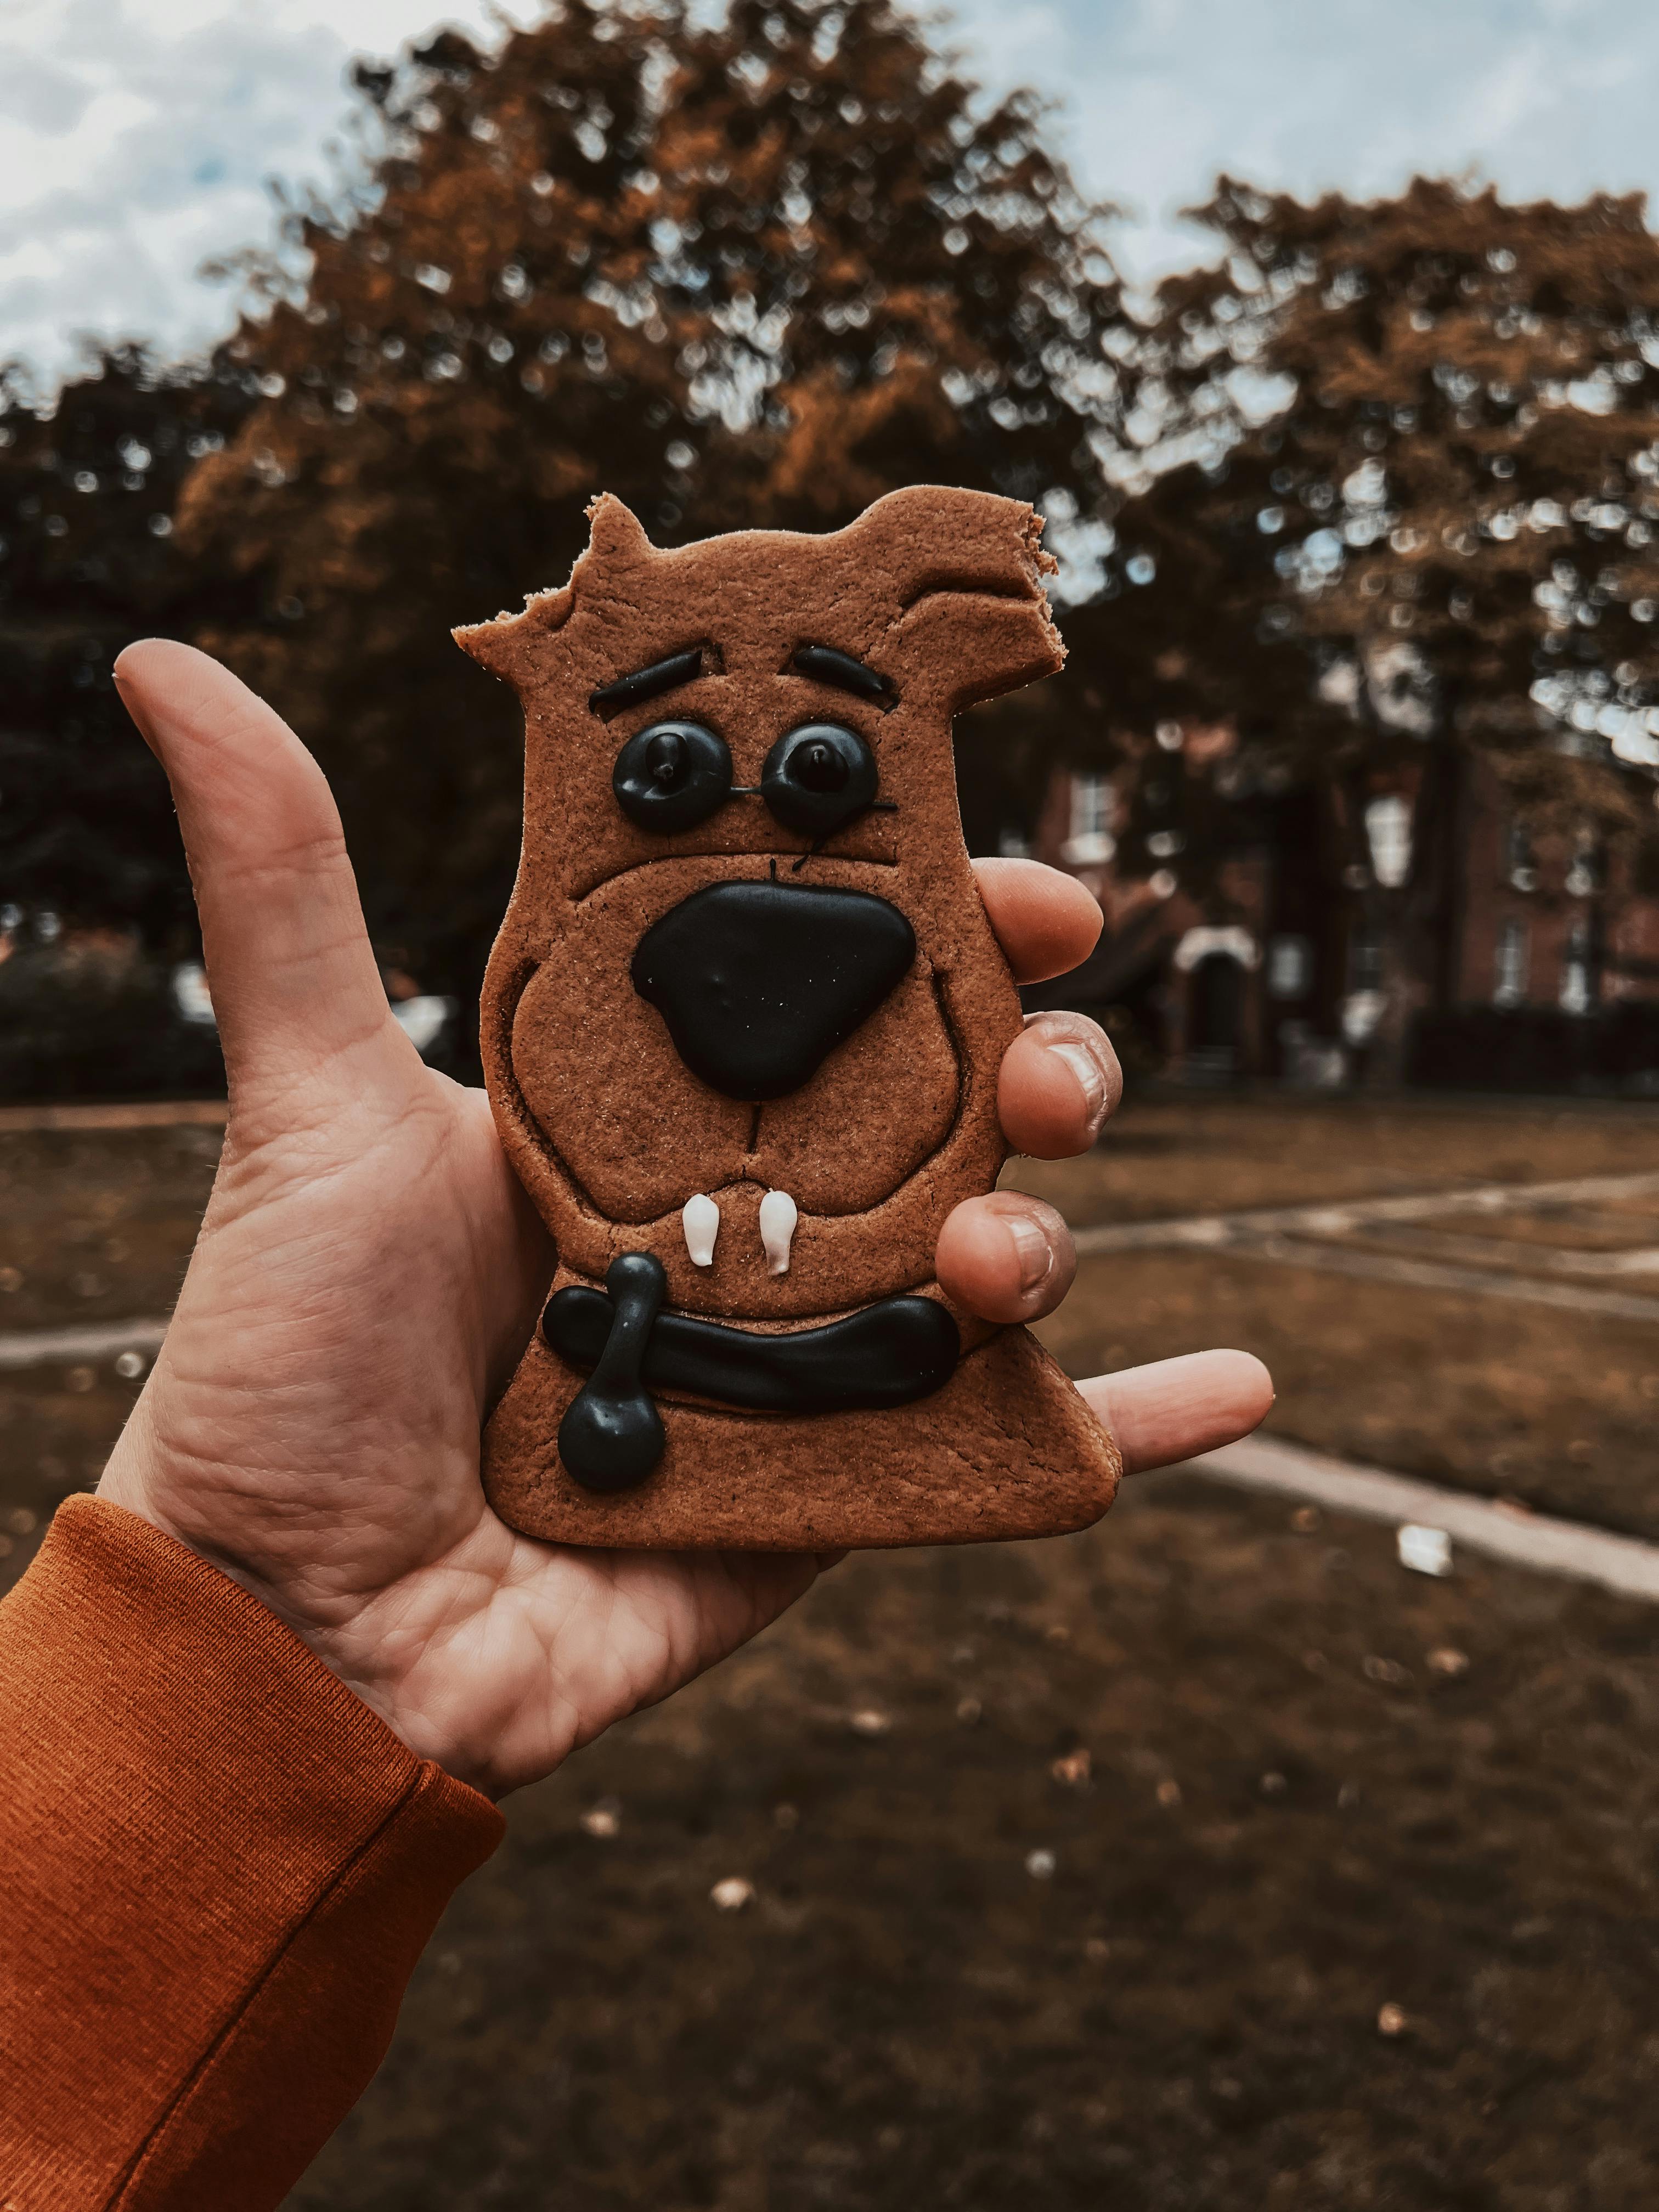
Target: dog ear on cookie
616,539
965,570
617,549
507,646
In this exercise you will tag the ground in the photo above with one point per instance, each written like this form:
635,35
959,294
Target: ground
1552,1406
1207,1859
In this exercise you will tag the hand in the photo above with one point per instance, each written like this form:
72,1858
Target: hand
368,1271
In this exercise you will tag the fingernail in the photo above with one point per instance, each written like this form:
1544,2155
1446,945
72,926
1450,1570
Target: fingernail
1032,1249
1089,1072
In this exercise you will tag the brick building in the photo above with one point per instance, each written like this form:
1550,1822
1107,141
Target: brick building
1524,962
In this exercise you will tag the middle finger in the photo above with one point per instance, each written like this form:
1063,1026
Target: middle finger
1006,1257
1059,1081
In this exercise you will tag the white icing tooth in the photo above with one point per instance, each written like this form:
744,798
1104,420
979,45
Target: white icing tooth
778,1217
699,1218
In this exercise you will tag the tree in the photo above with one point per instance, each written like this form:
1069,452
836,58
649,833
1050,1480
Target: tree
1399,494
88,561
753,273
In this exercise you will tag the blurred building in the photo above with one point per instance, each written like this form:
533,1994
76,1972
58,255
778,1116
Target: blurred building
1256,928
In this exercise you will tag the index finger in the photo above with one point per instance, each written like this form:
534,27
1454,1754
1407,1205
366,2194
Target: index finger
1046,922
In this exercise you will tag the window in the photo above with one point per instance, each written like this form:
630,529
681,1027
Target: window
1364,959
1510,966
1092,806
1519,865
1389,832
1094,810
1579,979
1290,966
1584,875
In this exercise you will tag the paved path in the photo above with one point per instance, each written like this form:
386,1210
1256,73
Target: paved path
1624,1564
1293,1236
1334,1239
1517,1255
1262,1463
149,1113
92,1341
1209,1230
1431,1275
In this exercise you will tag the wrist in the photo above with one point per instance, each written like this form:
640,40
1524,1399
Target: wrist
165,1491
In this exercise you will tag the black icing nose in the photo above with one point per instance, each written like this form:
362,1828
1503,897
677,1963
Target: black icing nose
759,982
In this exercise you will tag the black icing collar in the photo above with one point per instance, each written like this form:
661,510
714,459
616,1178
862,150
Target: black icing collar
886,1355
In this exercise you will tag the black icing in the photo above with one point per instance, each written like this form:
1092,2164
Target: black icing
889,1354
817,778
643,684
759,982
671,776
611,1435
828,664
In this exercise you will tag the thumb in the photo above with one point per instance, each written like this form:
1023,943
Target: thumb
295,983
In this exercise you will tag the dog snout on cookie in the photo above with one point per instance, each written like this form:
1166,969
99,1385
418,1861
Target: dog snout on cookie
758,982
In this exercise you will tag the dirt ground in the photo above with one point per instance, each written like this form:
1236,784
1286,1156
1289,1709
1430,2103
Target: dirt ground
1280,1785
1215,1153
1206,1860
1553,1409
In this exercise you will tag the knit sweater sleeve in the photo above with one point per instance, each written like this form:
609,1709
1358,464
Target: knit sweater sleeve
218,1869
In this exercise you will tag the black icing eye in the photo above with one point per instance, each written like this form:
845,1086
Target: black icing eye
818,777
671,776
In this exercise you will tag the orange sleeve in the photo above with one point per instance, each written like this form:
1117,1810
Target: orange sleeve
218,1867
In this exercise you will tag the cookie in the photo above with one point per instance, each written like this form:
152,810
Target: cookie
742,1031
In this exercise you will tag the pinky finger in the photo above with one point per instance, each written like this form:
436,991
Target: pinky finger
1175,1408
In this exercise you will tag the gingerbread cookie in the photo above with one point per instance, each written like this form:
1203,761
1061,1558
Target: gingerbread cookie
742,1029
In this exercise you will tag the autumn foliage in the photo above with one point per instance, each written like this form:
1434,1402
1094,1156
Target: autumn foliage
757,274
1374,491
1405,458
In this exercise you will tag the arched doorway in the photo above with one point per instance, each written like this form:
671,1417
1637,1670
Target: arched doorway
1216,960
1215,1018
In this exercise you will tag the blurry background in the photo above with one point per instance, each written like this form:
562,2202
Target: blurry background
1212,1857
1352,494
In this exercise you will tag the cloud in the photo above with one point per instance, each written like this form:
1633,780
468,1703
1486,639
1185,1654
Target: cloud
136,137
48,100
1546,98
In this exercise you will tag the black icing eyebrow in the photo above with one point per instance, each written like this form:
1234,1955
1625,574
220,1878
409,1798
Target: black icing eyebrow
827,664
648,683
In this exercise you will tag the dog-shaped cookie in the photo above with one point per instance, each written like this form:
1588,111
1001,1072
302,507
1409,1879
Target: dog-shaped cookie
742,1029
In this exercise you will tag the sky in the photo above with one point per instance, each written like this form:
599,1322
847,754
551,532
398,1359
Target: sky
136,137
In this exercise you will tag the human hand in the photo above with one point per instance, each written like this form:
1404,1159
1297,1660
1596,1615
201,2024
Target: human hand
369,1270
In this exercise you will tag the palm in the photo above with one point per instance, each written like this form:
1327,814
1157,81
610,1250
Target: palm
368,1271
389,1351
